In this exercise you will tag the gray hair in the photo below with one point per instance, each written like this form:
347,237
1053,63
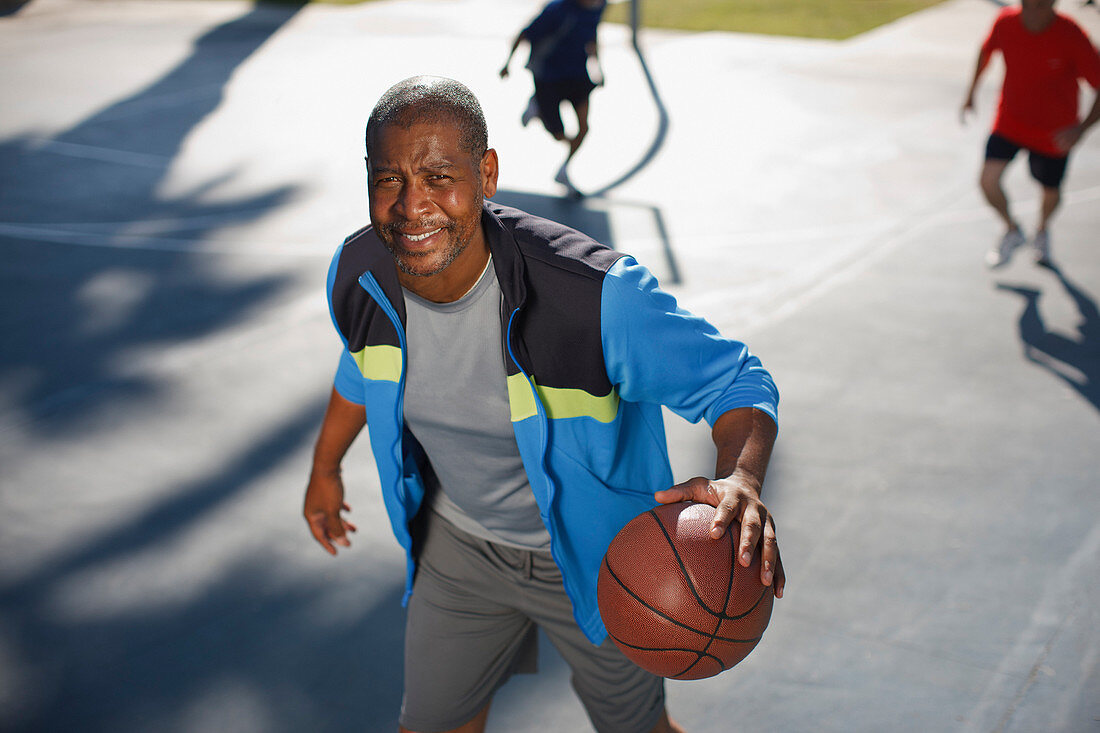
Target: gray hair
431,100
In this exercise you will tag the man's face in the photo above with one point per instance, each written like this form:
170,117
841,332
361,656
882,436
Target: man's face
426,193
1037,5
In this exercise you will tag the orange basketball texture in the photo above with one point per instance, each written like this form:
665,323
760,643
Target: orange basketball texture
675,600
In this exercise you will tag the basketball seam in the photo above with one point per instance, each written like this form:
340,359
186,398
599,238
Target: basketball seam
681,624
719,616
680,562
729,588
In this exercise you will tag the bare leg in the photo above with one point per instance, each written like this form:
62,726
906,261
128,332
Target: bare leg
581,109
667,725
990,181
1051,198
477,725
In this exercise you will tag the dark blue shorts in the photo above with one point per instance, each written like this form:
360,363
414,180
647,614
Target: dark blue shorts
1046,169
550,94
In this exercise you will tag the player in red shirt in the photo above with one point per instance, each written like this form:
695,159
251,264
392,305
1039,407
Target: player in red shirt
1045,55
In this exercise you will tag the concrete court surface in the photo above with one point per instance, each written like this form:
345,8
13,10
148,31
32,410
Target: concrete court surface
173,179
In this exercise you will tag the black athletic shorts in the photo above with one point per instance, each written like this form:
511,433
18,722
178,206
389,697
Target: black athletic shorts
1046,169
550,94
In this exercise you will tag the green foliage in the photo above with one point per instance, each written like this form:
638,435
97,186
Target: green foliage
836,19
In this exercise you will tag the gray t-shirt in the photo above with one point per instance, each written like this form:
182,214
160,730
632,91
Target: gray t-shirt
456,404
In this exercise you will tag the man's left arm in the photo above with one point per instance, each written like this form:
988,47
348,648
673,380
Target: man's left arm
698,374
1067,138
1086,59
744,438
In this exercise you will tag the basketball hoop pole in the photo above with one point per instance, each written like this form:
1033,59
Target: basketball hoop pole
635,13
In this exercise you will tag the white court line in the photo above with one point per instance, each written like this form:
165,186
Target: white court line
107,155
1061,596
906,230
153,244
151,227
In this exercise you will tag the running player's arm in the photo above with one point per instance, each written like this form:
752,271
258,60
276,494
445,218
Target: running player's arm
1067,138
989,45
520,38
979,68
1088,64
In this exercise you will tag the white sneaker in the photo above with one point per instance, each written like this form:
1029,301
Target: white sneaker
1002,253
530,113
563,178
1041,243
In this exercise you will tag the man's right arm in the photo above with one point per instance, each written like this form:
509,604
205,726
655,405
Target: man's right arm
324,502
520,38
968,103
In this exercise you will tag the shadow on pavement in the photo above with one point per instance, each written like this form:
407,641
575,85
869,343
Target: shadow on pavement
564,210
97,265
580,215
659,136
244,652
1076,361
99,268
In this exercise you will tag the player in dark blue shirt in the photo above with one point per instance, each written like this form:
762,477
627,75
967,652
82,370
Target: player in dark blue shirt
562,39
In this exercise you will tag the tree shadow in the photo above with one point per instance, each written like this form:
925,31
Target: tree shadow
257,648
1074,360
659,136
99,266
11,7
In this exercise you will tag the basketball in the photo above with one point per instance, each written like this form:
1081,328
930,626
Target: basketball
674,599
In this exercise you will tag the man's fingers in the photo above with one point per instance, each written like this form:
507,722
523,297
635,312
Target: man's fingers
724,514
769,554
317,529
780,578
752,524
336,531
691,490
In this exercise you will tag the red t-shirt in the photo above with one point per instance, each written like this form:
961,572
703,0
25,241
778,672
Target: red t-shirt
1039,95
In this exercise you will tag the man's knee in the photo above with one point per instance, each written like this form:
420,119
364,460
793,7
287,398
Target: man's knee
991,174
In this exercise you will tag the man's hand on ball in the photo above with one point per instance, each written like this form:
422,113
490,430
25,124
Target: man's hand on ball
736,498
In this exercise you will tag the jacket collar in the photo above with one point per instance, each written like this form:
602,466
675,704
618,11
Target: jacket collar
507,260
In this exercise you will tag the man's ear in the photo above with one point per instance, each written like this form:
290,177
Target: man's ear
490,168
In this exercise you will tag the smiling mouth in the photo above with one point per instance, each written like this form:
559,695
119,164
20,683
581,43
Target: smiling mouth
421,237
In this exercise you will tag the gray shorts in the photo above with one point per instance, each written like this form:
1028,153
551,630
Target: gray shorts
472,623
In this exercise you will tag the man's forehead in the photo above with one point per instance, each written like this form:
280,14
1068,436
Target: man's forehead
422,141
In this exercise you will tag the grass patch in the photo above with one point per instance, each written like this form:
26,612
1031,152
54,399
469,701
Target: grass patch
836,19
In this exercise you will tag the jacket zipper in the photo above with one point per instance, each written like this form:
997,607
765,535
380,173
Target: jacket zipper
543,443
370,284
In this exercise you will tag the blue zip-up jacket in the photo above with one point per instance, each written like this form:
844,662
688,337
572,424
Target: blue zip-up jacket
592,348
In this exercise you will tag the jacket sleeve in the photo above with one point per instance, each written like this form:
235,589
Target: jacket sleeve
349,379
657,352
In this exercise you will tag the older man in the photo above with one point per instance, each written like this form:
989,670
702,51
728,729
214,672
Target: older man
1045,55
510,372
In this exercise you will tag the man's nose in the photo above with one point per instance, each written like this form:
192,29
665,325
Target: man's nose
413,201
